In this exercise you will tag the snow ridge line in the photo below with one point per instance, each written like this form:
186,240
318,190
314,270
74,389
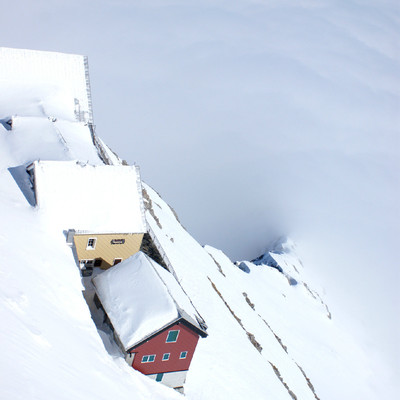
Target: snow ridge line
100,149
149,207
318,297
284,347
310,385
218,265
140,192
278,374
250,336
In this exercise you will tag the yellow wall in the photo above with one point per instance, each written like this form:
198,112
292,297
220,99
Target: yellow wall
106,251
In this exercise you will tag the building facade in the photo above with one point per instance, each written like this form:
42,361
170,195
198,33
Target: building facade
105,250
167,355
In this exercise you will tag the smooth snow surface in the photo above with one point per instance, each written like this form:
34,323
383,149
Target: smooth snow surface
74,187
45,83
140,298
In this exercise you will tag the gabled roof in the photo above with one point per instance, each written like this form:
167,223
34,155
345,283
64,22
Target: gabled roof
90,199
141,298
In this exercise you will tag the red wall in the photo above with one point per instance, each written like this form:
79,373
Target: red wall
187,341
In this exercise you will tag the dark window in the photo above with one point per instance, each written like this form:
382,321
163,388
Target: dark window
159,377
183,354
118,241
165,356
91,244
172,336
117,261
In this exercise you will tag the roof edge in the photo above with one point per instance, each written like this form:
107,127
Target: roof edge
82,232
181,319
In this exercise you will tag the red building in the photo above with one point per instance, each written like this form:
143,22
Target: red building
154,322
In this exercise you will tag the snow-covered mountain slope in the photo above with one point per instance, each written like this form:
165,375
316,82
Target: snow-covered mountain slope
270,334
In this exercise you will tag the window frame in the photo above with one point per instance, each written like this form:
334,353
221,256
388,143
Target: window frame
150,358
170,332
93,246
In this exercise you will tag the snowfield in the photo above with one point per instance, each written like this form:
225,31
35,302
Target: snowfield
261,309
271,336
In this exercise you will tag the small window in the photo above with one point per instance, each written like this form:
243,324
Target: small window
172,336
147,359
165,356
117,241
91,244
183,354
97,262
117,261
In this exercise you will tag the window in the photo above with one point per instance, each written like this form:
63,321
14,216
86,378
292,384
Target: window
117,261
147,359
183,354
159,377
97,262
117,241
165,356
172,336
91,244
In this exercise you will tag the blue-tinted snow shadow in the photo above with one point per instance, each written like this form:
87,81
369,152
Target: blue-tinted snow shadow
7,123
21,178
244,267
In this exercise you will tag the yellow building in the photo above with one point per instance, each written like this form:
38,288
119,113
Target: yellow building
105,250
99,207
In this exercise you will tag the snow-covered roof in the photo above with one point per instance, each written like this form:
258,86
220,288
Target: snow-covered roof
47,97
141,298
88,198
36,82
